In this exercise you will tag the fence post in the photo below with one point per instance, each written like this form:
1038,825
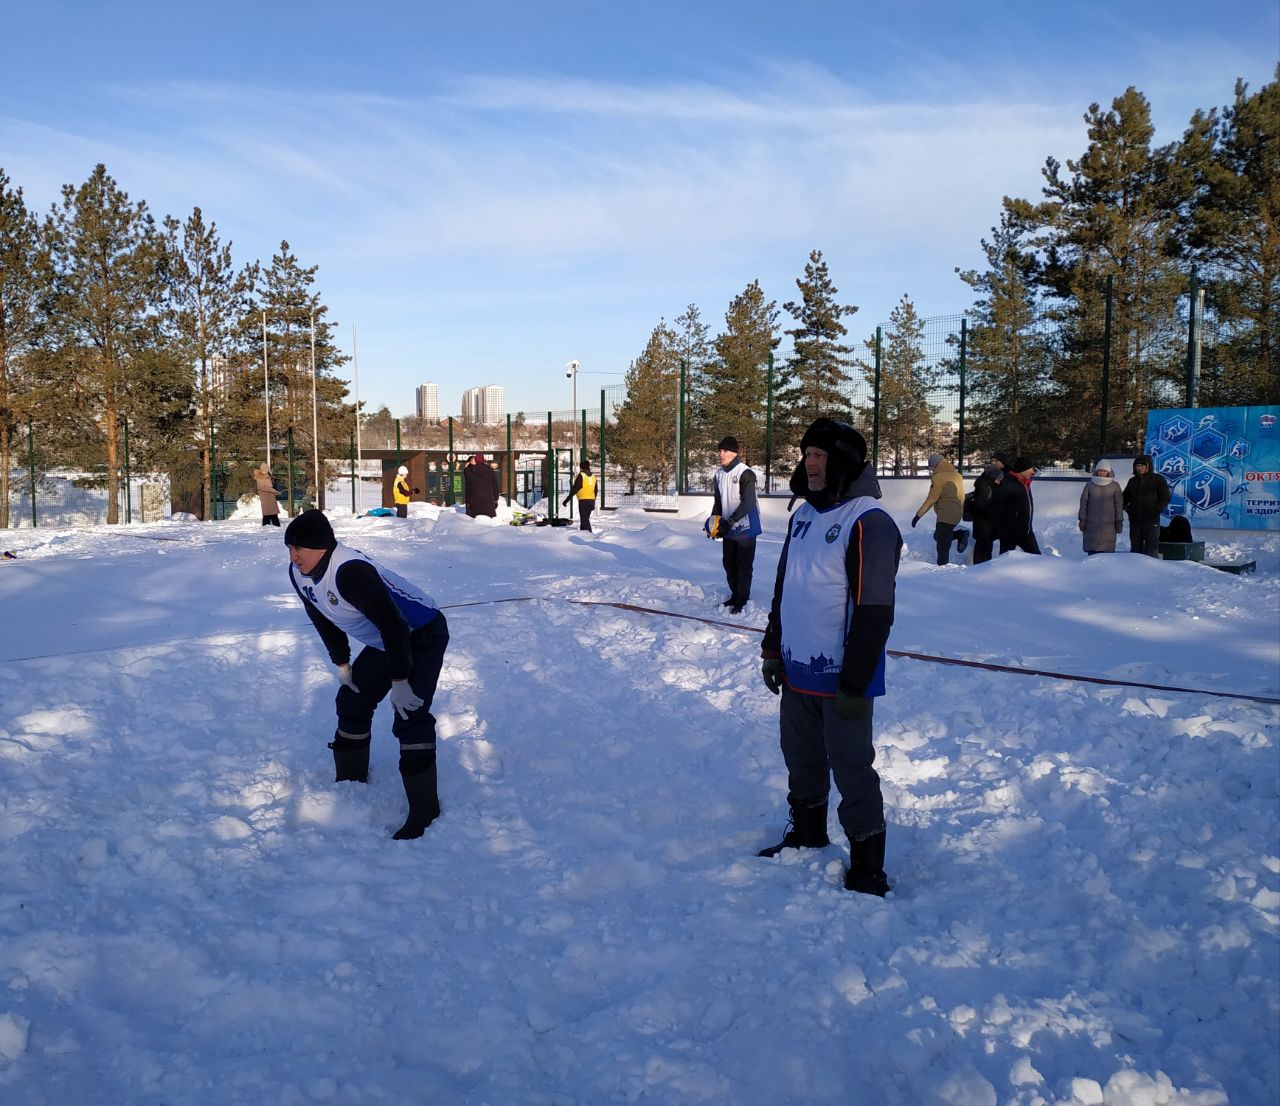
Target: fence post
553,473
964,341
768,426
1194,325
449,501
352,439
398,461
1106,374
213,473
128,491
31,461
680,488
875,407
511,465
290,438
582,454
602,449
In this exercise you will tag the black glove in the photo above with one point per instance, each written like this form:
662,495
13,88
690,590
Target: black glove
771,671
914,520
852,708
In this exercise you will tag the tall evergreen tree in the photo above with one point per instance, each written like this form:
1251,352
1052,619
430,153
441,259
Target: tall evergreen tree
907,416
107,255
207,298
1234,236
25,285
1008,360
643,442
815,380
738,385
1113,214
694,347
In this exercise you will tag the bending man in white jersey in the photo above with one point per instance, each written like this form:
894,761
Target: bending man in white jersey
404,637
824,647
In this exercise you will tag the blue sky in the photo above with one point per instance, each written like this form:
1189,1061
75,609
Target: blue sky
491,189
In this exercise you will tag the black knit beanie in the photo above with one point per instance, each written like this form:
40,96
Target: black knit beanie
730,443
310,530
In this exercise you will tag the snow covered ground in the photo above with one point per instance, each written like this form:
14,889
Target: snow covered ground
1087,876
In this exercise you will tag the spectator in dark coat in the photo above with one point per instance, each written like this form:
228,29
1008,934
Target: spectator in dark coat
1016,507
985,503
479,488
1101,511
1146,495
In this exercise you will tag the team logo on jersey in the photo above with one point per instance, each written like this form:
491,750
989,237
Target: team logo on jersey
333,599
833,533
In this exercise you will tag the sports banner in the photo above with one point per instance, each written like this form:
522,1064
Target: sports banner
1222,464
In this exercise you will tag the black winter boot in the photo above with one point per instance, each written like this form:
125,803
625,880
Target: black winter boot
350,758
807,829
424,803
866,867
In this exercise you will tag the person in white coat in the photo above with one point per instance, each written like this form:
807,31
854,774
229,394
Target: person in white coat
1101,511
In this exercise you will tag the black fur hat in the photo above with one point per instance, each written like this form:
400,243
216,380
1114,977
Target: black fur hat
846,452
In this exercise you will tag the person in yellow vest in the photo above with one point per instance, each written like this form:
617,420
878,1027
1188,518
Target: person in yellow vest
584,488
400,492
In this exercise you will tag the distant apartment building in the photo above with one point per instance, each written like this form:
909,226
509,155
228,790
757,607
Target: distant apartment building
487,405
429,402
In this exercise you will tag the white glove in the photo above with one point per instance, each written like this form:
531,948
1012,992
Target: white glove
403,698
345,678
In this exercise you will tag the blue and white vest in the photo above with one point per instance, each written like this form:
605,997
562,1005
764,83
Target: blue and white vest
727,485
817,607
415,604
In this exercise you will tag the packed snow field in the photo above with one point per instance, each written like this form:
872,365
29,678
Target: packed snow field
1086,876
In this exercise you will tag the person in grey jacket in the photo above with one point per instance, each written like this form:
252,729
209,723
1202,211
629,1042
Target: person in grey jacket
1101,511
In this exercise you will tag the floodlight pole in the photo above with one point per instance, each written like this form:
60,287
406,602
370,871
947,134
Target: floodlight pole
315,440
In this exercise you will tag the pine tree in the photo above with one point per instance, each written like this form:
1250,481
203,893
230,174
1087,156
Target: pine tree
693,347
737,390
207,298
644,439
1114,214
1234,235
907,417
25,286
1008,353
815,380
107,257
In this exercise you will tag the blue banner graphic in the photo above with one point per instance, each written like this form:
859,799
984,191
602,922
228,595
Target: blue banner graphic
1222,464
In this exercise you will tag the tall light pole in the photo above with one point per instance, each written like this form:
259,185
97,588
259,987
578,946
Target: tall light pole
355,361
315,439
266,390
571,371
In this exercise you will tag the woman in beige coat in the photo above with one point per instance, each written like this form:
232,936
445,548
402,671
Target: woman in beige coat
946,498
266,496
1101,511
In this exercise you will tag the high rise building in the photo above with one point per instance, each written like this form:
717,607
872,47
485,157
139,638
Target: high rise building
429,402
485,405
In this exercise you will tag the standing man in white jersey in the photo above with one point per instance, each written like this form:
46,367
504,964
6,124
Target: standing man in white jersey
824,647
735,517
404,637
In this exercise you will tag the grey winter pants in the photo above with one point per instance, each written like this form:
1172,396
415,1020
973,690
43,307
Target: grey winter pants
818,744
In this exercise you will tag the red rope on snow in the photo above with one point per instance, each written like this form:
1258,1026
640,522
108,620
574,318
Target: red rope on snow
988,666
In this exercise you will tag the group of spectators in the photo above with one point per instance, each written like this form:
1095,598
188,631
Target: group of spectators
1001,507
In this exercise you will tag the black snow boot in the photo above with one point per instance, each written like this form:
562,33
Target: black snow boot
807,829
424,803
866,867
350,758
962,540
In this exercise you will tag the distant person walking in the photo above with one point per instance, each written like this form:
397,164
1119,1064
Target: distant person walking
1146,495
479,488
945,499
1101,511
584,488
401,491
1016,508
735,517
347,595
985,505
266,496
